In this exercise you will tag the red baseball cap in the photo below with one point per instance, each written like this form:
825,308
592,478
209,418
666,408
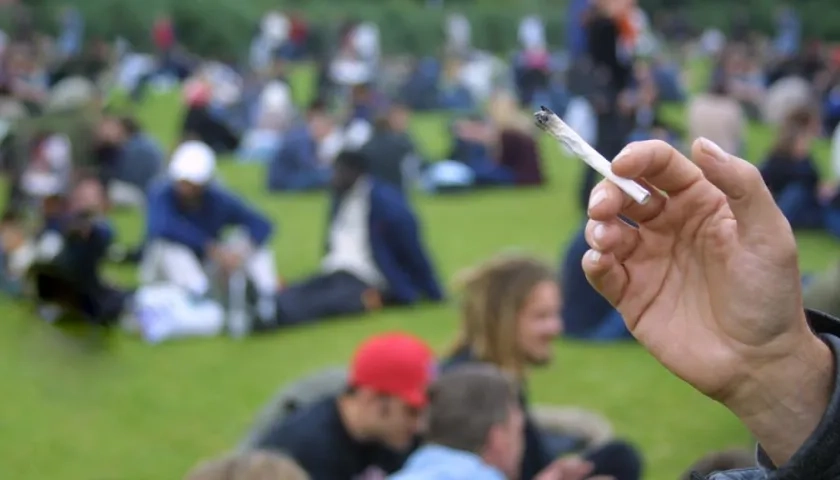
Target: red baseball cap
395,364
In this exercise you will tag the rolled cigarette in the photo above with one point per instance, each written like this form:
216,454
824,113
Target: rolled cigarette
549,122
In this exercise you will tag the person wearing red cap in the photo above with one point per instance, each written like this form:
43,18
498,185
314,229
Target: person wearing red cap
368,430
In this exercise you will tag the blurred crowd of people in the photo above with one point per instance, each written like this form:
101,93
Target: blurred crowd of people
73,155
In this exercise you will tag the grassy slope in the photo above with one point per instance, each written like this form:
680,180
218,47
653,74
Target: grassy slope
82,408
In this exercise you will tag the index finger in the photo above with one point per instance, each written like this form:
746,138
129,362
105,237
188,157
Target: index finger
662,165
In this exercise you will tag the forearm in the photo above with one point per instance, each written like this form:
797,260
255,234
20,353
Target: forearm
783,404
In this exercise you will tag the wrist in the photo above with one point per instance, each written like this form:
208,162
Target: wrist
782,401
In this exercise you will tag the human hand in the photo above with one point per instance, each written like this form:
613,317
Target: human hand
226,259
371,299
709,284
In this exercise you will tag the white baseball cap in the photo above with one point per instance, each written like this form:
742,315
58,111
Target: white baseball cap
193,162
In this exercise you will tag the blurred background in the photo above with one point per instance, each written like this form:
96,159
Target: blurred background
95,97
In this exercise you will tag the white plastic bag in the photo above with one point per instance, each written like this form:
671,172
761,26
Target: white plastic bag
167,312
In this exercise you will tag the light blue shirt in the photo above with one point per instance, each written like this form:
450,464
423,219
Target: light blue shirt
435,462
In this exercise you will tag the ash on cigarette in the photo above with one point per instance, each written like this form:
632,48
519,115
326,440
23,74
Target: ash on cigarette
543,117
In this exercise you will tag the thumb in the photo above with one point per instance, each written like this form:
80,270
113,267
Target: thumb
749,199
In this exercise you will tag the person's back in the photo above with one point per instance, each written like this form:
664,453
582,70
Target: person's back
141,162
474,428
369,428
717,117
314,436
387,153
781,170
520,153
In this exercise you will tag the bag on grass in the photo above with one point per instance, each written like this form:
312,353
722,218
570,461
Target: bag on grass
167,312
294,396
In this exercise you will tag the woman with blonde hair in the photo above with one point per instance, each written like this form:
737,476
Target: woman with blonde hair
509,152
255,465
510,317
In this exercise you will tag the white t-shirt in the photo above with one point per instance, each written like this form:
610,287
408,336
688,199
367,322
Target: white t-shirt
350,249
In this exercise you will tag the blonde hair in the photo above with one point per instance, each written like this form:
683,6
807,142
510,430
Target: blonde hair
492,296
255,465
503,110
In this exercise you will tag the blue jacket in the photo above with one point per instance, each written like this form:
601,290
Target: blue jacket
589,308
196,229
435,462
396,246
298,157
139,162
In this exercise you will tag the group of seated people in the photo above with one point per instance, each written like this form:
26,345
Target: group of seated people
790,172
498,149
399,412
369,421
374,252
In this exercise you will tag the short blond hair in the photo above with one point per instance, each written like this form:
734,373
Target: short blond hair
254,465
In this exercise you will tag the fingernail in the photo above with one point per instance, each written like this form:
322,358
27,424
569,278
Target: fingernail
598,233
597,197
712,149
593,257
623,153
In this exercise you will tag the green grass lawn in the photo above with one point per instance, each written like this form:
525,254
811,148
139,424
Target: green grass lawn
76,407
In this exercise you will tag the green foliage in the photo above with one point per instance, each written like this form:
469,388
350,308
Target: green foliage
224,27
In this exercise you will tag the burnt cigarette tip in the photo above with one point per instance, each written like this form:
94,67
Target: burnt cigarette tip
546,110
542,116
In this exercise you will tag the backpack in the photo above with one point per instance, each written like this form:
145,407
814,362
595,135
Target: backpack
292,397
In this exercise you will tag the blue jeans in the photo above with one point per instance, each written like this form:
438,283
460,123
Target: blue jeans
801,208
319,297
832,221
612,328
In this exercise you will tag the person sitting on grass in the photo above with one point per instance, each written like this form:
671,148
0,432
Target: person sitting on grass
475,431
186,216
792,176
256,465
391,152
129,159
303,161
511,318
374,257
200,123
71,251
502,150
589,317
366,431
17,252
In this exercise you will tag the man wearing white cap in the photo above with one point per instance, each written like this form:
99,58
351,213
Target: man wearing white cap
185,220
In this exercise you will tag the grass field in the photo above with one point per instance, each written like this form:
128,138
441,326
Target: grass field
77,407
